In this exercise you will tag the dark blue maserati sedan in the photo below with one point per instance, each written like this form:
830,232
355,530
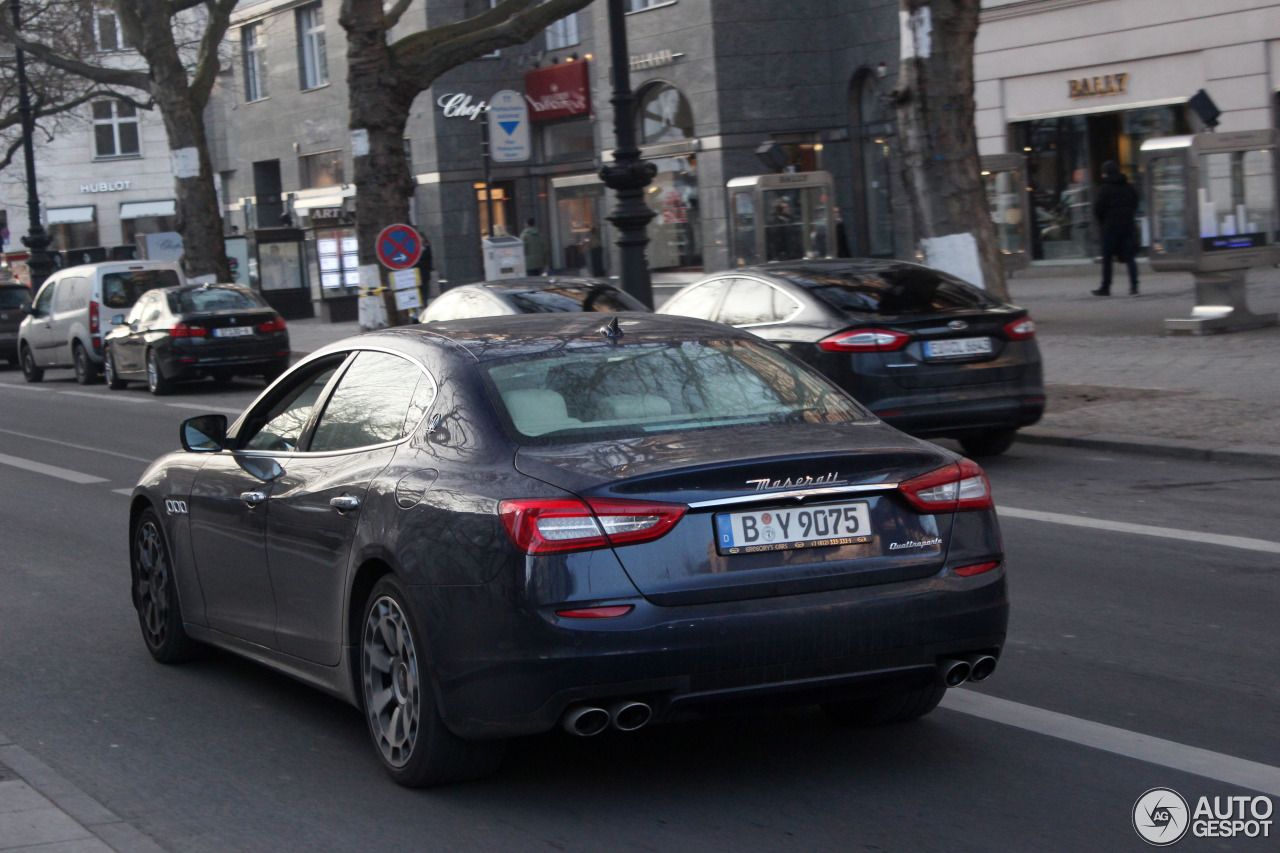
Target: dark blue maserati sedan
495,527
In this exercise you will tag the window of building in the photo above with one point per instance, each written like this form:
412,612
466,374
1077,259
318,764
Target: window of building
313,62
321,170
107,35
641,5
665,115
253,52
563,33
132,229
873,151
115,129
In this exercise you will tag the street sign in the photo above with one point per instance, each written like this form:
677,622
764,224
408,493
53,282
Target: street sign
508,127
399,247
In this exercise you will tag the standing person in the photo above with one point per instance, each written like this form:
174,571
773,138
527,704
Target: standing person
424,273
535,248
1115,208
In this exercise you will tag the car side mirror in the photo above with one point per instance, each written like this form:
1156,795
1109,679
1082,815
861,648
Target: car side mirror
27,309
204,433
117,320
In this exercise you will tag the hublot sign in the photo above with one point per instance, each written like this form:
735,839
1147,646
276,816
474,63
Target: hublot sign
105,187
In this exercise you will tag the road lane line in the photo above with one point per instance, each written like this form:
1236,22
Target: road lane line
115,398
50,470
128,493
199,408
76,446
1264,545
1153,750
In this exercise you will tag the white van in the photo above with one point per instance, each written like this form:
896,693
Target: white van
65,322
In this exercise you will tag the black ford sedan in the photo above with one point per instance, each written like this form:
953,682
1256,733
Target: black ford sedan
491,528
925,351
194,331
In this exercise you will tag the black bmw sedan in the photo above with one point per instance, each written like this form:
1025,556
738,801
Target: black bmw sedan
491,528
193,331
925,351
530,295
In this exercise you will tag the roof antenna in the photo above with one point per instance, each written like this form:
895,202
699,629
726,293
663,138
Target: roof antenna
612,332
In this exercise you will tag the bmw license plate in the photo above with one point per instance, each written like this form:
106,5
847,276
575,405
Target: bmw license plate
957,346
792,528
233,332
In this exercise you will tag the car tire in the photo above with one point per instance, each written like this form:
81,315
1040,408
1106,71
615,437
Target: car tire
155,593
992,442
395,690
86,373
881,710
156,383
30,371
114,382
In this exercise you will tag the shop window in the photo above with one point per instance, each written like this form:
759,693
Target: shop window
579,238
567,139
503,215
321,170
641,5
664,115
73,235
313,61
132,228
253,52
872,166
115,129
563,33
675,233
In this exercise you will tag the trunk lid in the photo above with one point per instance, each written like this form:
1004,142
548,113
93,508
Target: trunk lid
837,491
917,365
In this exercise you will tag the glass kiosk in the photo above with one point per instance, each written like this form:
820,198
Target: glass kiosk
1212,203
782,217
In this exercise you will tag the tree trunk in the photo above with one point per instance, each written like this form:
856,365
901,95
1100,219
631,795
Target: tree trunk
939,146
379,104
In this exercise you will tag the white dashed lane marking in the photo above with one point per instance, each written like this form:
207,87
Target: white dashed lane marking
50,470
1266,546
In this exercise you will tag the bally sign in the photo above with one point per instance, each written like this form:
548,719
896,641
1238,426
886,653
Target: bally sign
1097,87
557,91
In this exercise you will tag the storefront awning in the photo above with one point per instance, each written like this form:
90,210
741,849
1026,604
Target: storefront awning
141,209
303,205
71,215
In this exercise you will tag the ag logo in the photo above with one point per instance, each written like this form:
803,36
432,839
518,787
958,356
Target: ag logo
1160,817
175,507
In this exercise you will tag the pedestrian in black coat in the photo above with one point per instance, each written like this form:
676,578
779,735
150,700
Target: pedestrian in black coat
1115,208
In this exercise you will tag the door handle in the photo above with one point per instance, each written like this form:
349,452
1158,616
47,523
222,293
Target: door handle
344,503
253,498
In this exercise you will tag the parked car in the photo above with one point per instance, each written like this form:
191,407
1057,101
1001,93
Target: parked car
195,331
923,350
66,321
532,295
483,529
12,298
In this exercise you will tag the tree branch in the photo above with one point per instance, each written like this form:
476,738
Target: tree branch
209,62
96,73
393,15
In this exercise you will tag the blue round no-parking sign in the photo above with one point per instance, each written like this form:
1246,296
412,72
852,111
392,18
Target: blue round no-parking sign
399,247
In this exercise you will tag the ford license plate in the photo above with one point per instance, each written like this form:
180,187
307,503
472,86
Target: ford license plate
958,346
792,528
233,332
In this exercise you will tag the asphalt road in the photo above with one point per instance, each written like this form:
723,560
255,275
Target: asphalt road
1135,656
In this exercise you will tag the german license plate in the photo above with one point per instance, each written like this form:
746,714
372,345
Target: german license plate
233,332
792,528
957,346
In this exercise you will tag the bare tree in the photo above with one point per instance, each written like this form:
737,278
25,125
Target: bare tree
939,146
179,40
383,78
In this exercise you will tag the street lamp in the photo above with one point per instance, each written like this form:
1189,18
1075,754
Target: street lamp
39,264
628,175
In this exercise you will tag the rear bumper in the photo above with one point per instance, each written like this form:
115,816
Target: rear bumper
956,417
511,673
183,363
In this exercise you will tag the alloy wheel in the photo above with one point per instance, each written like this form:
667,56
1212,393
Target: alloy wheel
151,576
392,685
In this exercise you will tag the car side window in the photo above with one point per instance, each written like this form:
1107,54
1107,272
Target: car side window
751,301
154,307
369,406
699,302
135,313
44,300
280,427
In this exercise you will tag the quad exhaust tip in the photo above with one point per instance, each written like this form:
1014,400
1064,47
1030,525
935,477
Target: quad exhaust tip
627,716
954,672
586,720
981,667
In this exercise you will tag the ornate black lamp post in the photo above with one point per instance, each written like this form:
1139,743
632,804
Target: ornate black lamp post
39,263
628,175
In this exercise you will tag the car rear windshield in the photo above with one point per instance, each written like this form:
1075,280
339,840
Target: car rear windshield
892,291
645,388
206,299
572,298
13,297
122,289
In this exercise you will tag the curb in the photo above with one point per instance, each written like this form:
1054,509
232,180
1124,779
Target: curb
1249,454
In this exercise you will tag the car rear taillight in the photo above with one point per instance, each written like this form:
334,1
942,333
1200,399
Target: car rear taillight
554,526
275,324
950,489
865,340
188,330
94,322
1020,330
975,569
609,611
